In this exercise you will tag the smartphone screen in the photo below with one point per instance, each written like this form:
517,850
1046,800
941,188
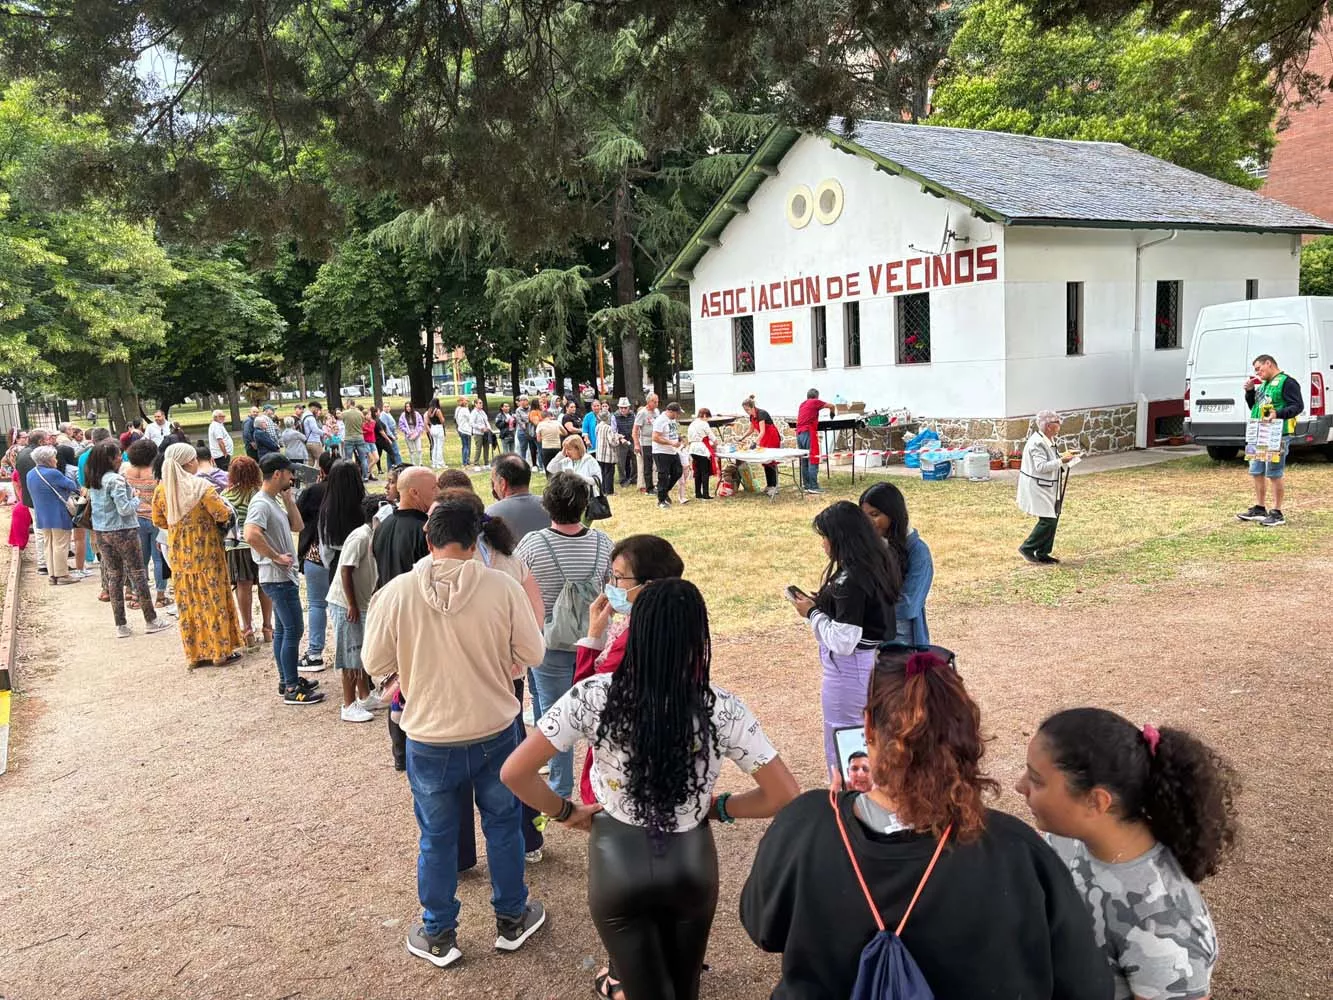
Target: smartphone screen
853,761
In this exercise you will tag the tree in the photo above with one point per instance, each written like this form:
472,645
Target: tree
221,333
1317,267
81,283
1180,92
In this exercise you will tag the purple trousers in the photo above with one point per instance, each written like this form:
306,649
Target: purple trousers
846,680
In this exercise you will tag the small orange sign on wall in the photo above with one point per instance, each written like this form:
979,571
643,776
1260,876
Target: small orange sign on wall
780,332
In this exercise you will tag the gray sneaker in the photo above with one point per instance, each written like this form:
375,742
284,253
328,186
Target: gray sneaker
157,625
512,932
123,632
439,949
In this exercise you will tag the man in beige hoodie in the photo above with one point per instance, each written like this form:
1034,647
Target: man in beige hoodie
453,630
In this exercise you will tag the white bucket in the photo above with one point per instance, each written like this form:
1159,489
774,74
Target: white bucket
976,466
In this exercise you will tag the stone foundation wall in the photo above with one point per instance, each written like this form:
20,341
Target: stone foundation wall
1093,431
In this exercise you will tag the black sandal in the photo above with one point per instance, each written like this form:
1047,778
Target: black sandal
606,987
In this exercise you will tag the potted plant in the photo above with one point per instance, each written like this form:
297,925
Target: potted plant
996,460
1015,460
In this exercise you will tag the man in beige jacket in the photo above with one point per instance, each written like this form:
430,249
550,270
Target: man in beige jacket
453,630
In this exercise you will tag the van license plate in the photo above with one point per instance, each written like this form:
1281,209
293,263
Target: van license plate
1205,407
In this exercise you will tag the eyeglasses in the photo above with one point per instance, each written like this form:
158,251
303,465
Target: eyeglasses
617,580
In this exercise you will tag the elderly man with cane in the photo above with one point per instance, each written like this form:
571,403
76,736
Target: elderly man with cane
1041,487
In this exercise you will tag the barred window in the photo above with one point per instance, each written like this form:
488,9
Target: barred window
1073,317
913,329
1167,324
818,338
742,344
851,333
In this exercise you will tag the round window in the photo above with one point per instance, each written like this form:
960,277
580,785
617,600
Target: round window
800,207
828,201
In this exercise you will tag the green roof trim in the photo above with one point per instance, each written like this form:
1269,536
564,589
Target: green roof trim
761,165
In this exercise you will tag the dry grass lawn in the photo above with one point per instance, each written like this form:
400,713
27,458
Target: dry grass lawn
183,835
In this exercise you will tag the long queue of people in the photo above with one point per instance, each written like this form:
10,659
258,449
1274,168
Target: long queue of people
616,650
443,608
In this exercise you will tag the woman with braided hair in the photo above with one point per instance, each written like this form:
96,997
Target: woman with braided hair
1139,815
659,731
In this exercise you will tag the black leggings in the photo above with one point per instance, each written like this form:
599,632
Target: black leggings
547,455
703,470
653,912
770,476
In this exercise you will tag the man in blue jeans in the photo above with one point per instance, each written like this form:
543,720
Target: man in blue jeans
269,525
452,630
807,437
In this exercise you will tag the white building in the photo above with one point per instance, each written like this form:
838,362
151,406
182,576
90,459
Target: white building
972,277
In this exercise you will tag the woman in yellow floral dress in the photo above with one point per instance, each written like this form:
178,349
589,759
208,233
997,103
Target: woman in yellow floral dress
191,511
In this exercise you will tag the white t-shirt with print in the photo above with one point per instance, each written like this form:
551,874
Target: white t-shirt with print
669,427
463,421
576,716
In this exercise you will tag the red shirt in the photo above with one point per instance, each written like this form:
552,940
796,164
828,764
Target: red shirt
807,414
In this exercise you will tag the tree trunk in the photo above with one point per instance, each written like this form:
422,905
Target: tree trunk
377,380
300,383
333,380
129,395
233,399
558,379
618,387
115,413
478,368
515,374
625,294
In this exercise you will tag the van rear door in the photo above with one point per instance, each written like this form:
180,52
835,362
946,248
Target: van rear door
1217,378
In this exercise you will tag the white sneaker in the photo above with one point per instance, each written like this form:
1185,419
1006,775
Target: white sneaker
372,702
355,713
123,632
159,625
533,857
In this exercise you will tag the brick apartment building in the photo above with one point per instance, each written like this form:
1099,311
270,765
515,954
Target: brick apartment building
1298,173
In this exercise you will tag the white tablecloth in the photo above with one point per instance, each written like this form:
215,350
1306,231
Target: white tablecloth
762,456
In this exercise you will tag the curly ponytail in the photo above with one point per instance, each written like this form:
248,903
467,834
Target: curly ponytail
1181,788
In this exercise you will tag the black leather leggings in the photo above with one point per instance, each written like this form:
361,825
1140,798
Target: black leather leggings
653,912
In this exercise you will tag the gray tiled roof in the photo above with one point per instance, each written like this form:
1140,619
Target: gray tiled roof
1030,180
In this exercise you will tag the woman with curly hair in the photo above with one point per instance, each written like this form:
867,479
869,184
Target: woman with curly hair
994,915
1139,815
659,730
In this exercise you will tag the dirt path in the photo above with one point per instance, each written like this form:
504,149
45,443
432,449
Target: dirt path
174,834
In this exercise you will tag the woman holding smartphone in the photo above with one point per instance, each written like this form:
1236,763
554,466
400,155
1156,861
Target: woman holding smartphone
850,615
659,730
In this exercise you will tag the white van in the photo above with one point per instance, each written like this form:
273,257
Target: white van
1296,331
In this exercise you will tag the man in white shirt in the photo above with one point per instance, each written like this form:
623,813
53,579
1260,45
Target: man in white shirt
463,421
666,453
643,432
220,444
157,429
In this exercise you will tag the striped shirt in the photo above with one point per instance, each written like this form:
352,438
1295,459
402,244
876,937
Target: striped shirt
580,557
144,486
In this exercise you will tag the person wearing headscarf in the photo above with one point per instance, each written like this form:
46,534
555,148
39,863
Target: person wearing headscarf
189,508
1041,487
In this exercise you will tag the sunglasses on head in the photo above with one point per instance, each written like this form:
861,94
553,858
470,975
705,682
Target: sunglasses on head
947,655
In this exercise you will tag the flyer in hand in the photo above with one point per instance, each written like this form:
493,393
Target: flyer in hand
1263,441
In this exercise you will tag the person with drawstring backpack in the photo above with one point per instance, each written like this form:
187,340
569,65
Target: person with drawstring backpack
915,890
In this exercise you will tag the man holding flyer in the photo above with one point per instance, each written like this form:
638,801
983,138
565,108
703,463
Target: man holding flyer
1272,396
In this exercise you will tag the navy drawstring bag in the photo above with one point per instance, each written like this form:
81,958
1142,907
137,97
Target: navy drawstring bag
887,970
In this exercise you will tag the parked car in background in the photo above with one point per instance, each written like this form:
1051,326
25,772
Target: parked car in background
354,391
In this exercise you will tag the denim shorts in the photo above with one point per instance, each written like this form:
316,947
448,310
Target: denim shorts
347,639
1272,470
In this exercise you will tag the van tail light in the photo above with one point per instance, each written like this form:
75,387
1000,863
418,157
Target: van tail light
1187,397
1316,394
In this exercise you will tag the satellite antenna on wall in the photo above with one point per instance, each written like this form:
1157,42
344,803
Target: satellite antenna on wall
946,238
